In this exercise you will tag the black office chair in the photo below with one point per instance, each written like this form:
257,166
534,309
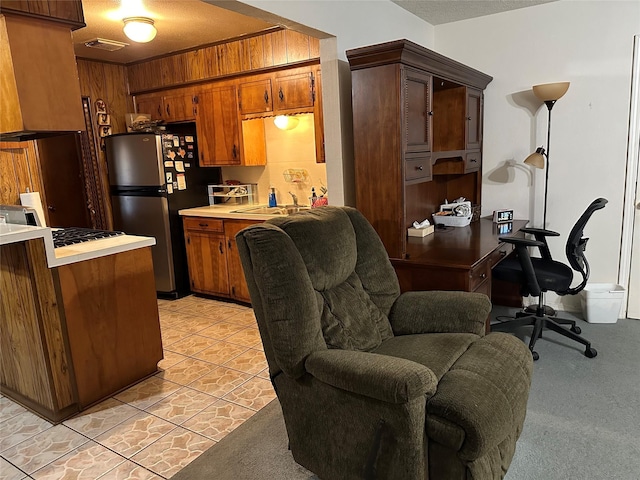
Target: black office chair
539,275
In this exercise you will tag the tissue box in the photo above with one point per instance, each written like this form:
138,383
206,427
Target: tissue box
420,232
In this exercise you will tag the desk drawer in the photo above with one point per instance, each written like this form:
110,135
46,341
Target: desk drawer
417,168
203,224
499,254
479,274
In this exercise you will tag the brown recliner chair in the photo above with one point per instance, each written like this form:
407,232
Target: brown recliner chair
374,383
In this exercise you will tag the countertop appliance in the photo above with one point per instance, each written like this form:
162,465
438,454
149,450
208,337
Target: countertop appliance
151,177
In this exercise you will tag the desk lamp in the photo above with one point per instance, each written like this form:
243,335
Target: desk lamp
549,93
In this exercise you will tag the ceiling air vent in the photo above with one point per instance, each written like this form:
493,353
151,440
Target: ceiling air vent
103,44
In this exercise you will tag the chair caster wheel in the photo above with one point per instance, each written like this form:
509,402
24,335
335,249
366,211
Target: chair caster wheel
536,356
590,352
576,329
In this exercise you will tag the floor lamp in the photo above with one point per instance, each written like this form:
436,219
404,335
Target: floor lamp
549,93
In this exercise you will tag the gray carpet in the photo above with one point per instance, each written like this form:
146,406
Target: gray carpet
583,419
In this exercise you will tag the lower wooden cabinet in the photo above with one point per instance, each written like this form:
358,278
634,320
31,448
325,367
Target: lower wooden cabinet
212,257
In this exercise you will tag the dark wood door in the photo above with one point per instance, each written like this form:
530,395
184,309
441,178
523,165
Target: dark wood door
151,104
294,91
178,108
237,284
474,119
63,180
207,261
417,107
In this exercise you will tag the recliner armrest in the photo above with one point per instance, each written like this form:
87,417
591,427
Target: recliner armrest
439,312
390,379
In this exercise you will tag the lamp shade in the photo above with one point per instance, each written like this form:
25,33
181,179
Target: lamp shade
139,29
285,122
536,159
550,91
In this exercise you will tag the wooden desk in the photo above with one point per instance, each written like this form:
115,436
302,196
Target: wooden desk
457,259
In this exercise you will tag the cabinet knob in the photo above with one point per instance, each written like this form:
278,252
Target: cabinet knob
280,94
168,111
473,160
266,97
51,208
234,152
468,118
419,167
503,253
220,247
203,224
483,275
430,113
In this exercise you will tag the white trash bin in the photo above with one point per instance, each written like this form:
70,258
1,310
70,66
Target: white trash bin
601,302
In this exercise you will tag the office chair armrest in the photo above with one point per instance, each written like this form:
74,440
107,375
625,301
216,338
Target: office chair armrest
390,379
439,312
540,234
524,242
539,231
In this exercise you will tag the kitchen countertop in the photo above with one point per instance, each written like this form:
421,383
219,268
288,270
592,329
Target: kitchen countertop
56,257
226,211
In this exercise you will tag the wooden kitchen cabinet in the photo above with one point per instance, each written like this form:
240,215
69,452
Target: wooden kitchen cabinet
474,119
213,259
255,96
64,11
294,90
171,107
77,333
238,288
206,255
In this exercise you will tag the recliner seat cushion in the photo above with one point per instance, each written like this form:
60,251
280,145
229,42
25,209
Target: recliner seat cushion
437,351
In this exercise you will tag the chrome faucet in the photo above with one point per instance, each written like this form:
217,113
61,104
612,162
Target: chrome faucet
295,199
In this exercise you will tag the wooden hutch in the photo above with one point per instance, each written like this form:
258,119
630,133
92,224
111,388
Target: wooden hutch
417,119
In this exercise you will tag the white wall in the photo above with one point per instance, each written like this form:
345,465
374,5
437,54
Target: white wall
588,43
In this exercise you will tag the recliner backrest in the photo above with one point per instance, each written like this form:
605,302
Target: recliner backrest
319,275
577,244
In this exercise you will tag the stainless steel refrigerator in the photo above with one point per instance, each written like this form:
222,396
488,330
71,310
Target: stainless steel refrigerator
151,177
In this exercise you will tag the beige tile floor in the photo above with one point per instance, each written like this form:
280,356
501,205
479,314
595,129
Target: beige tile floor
213,377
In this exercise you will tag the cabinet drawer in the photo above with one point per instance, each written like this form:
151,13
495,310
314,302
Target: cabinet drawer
203,224
472,162
479,274
417,169
499,254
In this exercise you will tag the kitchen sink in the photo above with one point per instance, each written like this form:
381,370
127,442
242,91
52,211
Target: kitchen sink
283,210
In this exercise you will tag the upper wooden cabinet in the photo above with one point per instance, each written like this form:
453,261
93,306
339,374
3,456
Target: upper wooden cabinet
417,122
218,126
64,11
171,107
39,78
255,96
294,91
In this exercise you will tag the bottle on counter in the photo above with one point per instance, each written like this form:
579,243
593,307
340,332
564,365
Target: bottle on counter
272,198
314,197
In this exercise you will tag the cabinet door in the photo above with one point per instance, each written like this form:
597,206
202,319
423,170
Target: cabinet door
255,97
151,104
207,261
218,127
417,111
237,284
474,119
294,91
178,108
318,119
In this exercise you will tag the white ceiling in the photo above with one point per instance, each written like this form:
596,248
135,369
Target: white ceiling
184,24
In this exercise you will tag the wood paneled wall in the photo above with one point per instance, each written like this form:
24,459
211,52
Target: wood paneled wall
19,170
207,63
107,82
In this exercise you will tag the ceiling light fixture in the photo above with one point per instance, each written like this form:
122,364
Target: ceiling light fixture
139,29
